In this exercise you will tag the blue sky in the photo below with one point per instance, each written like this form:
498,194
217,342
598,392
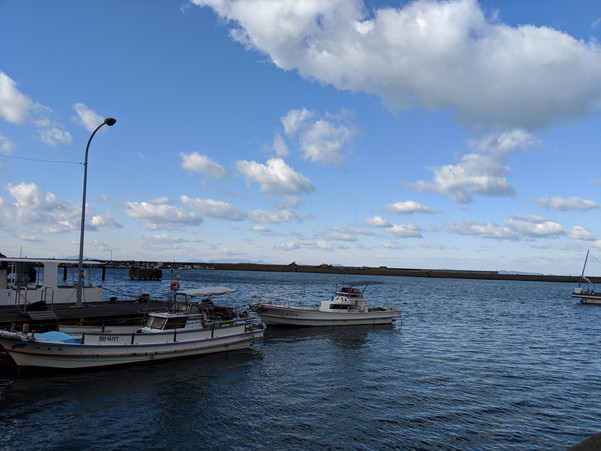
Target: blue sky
428,134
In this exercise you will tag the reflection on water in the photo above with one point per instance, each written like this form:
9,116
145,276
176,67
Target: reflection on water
471,364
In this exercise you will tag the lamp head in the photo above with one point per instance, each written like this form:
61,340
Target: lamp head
110,121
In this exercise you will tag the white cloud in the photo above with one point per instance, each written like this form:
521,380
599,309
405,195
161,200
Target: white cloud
518,228
6,146
481,172
405,230
377,221
440,55
86,117
17,108
563,204
195,162
54,136
227,212
268,217
337,236
319,139
319,245
296,120
216,209
275,177
408,206
43,212
14,106
279,146
289,246
580,233
160,214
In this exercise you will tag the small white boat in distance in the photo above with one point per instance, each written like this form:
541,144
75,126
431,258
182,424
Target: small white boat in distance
586,293
186,329
348,307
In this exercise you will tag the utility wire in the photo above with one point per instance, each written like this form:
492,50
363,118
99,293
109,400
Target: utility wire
43,161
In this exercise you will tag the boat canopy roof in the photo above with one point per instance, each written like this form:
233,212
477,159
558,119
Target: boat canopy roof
206,291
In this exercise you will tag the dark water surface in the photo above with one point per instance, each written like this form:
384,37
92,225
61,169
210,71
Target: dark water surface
472,364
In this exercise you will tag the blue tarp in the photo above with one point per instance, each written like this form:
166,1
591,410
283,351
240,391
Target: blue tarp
57,336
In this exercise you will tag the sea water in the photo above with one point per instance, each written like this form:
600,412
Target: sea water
471,364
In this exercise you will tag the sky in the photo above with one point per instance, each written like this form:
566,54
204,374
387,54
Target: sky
456,134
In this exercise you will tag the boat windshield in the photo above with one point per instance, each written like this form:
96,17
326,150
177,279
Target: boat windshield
339,306
158,322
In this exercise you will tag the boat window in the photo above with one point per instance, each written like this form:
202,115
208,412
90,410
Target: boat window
156,322
339,307
175,323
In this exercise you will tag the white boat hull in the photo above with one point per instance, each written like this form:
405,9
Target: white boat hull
280,315
99,350
587,296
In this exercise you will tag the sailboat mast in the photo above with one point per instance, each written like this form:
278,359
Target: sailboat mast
584,267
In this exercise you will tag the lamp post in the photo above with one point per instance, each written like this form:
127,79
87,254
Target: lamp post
110,122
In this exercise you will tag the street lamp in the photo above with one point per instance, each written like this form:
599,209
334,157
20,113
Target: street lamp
110,122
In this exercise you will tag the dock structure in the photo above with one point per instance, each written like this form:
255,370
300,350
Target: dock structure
121,312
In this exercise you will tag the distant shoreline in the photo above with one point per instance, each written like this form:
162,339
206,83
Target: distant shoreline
369,271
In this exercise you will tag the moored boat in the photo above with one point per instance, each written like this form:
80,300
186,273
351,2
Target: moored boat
348,307
30,283
585,290
187,328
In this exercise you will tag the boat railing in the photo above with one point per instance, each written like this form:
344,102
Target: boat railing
138,337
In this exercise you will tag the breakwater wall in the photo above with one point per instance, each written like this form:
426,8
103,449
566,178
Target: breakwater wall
379,271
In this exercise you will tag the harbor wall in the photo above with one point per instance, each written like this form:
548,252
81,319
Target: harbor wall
372,271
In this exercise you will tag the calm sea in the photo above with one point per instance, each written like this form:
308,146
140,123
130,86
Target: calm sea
472,364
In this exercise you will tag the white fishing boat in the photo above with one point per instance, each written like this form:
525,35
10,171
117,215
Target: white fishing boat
585,290
348,307
189,327
28,283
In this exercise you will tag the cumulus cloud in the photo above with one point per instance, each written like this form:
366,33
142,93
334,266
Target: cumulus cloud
518,228
41,212
215,209
279,146
160,214
377,221
580,233
14,106
483,171
54,136
439,55
319,139
86,117
408,206
227,212
563,204
275,177
196,162
405,230
17,108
